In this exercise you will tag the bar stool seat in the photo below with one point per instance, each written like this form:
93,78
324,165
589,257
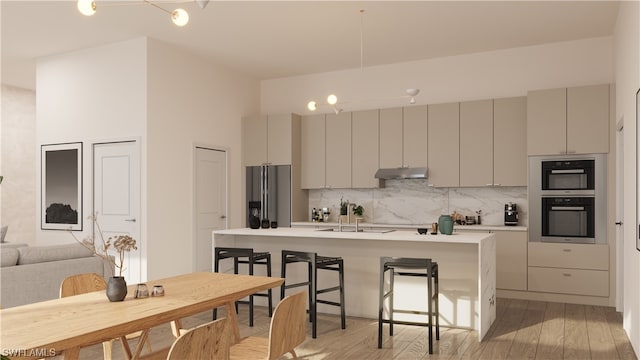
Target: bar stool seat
250,257
315,263
416,267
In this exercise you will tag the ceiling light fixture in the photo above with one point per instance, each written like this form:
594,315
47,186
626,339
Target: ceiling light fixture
179,16
332,99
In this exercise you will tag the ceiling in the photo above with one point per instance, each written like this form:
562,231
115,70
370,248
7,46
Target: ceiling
272,39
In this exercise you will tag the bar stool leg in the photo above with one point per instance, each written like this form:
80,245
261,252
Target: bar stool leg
269,292
250,296
314,299
342,312
437,298
380,303
430,309
283,273
391,295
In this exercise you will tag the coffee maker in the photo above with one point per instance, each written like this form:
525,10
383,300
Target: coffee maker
510,214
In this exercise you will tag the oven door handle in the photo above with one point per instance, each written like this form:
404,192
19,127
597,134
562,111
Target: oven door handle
570,171
567,208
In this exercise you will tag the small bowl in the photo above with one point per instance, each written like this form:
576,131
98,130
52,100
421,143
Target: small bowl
422,231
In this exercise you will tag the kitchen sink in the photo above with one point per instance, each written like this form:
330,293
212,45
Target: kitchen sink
352,229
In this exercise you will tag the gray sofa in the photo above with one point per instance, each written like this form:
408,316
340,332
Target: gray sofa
34,273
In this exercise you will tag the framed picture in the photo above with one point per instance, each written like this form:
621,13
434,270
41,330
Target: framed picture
637,169
61,206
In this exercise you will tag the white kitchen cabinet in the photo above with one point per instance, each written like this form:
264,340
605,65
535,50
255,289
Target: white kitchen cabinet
391,138
403,137
364,149
568,121
510,141
444,145
511,258
578,269
414,136
588,119
268,139
476,143
338,150
312,152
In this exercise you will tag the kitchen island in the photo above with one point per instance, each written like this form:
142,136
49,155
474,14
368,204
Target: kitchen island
466,264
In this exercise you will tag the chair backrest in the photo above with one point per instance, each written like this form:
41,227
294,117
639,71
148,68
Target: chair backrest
288,325
210,341
82,284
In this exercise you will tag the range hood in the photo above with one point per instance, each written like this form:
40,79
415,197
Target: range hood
402,173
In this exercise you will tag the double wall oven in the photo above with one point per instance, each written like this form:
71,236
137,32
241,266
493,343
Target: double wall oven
567,199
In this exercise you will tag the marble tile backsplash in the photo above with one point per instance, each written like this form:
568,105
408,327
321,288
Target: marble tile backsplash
414,202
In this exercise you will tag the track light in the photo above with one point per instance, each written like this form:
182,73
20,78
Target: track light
412,93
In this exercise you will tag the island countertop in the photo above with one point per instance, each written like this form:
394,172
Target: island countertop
396,235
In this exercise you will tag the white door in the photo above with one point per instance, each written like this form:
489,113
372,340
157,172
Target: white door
210,203
116,193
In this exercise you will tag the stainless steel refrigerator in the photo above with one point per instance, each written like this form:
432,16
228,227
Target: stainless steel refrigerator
269,194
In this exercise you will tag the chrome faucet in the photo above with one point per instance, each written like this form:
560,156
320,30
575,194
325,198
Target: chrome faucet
357,225
339,223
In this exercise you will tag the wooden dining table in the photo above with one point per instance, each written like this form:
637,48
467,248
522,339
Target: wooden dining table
65,325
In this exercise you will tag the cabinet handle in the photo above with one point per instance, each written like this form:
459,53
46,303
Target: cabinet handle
497,184
430,185
489,185
566,274
571,151
566,250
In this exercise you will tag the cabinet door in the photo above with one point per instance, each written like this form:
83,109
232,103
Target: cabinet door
414,139
254,140
312,151
444,145
338,150
511,260
546,122
364,135
510,141
279,139
476,143
588,119
391,138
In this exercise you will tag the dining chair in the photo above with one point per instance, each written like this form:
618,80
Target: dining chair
209,341
288,330
84,283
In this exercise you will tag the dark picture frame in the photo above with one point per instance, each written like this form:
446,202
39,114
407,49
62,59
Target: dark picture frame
61,197
637,171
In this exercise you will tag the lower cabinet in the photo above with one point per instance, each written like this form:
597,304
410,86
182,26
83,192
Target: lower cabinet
578,269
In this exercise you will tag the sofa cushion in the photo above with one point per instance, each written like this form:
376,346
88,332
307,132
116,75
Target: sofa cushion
9,256
38,254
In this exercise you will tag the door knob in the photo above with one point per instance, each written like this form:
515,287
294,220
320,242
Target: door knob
618,222
130,220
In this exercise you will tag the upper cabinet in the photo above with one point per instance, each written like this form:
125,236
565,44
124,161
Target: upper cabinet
510,141
444,145
403,137
476,143
326,151
269,139
568,121
364,149
414,136
312,151
588,119
338,150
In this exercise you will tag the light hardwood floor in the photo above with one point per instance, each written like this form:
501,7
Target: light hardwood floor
522,330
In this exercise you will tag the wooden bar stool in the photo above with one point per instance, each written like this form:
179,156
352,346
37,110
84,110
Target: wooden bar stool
245,256
409,267
315,263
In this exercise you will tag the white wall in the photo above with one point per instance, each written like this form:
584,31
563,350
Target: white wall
627,72
191,101
89,95
486,75
18,149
